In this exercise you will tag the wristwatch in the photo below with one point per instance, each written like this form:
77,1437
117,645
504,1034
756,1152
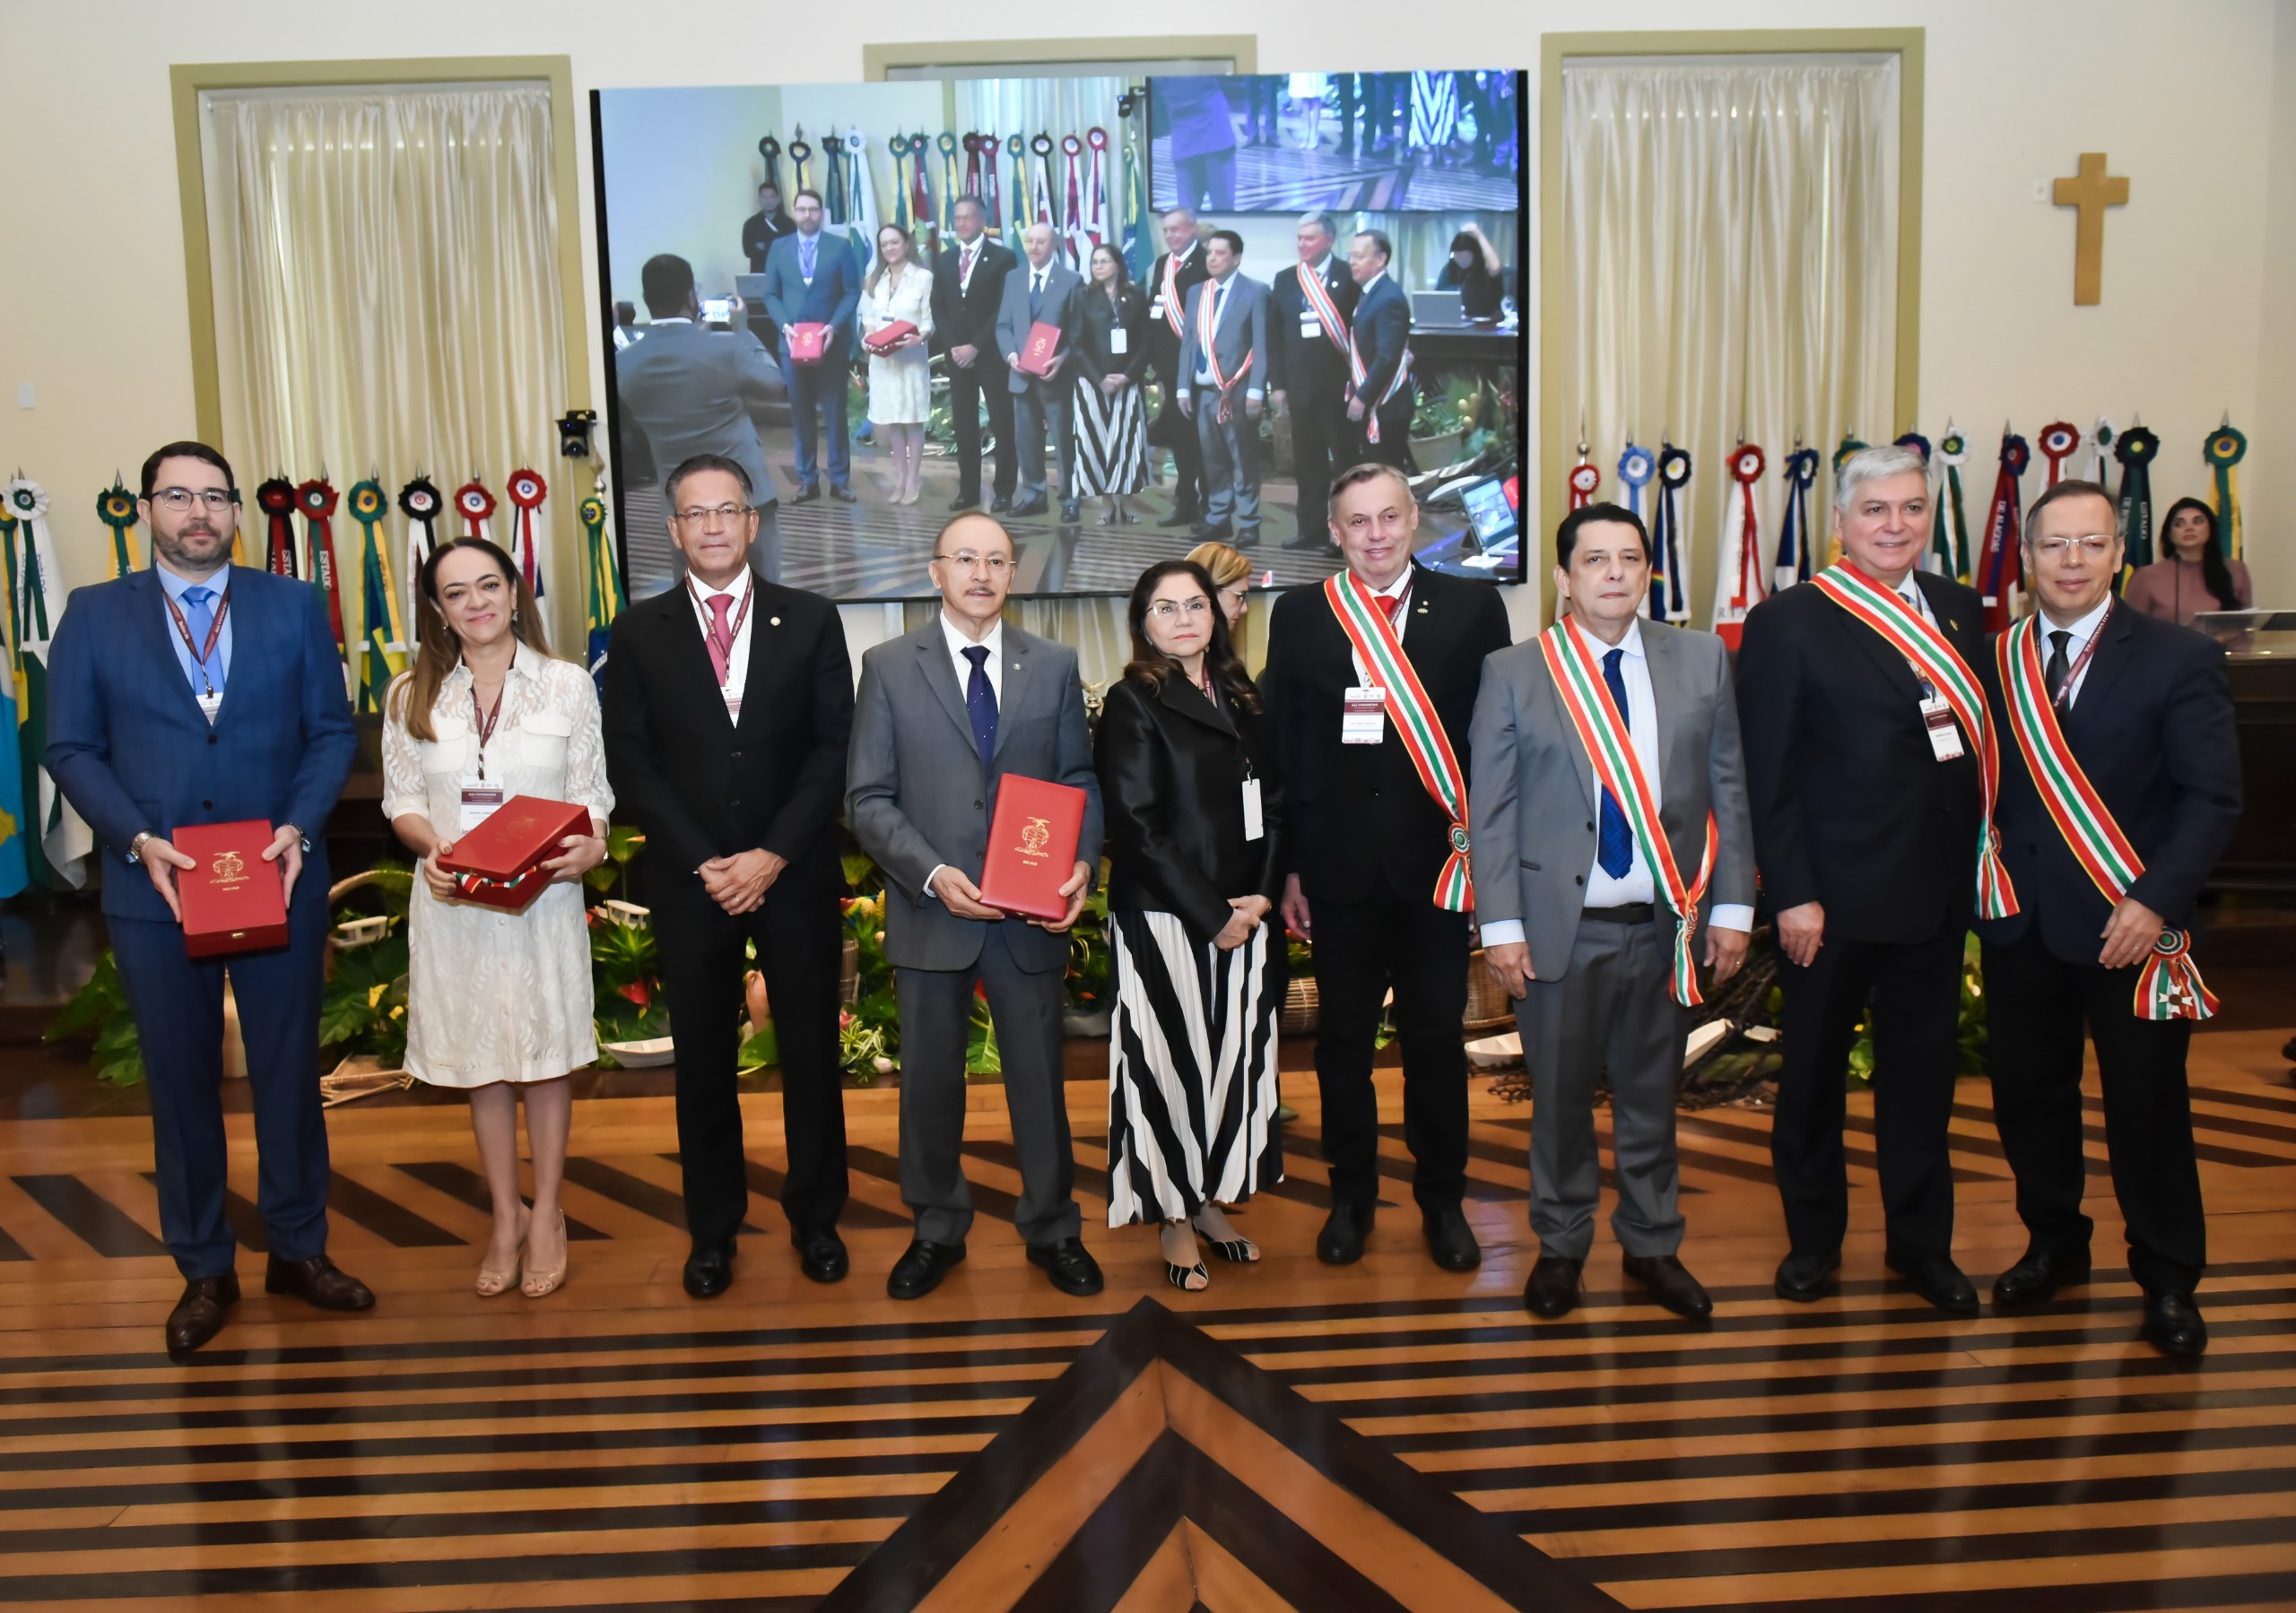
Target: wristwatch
135,846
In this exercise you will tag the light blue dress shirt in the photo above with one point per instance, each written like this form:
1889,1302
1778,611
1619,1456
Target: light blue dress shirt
219,666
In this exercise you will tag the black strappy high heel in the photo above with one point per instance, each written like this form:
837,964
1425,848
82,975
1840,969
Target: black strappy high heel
1177,1276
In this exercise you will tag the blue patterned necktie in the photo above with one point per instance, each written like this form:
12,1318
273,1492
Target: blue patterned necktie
199,615
980,703
1614,848
806,246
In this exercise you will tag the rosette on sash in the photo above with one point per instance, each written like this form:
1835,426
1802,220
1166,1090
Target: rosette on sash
800,154
276,499
972,163
1669,551
1041,183
1998,569
833,205
2059,440
1635,468
920,194
475,506
116,508
770,148
898,149
2136,450
419,503
1016,207
604,596
945,218
55,852
1794,534
861,199
1584,479
382,651
317,500
2101,453
2223,451
1073,234
527,491
1952,516
1096,192
1738,583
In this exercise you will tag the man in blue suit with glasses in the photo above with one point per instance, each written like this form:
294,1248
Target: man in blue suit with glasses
204,692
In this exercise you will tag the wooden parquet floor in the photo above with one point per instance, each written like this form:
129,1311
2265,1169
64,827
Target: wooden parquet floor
1383,1436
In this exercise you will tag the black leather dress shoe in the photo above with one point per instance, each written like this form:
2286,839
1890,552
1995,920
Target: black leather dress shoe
1069,514
2173,1325
921,1266
1030,506
1553,1288
709,1269
198,1315
1001,505
1939,1281
963,502
1452,1241
1182,517
1805,1278
842,493
807,493
1212,535
319,1281
2036,1279
1072,1270
1670,1285
821,1256
1341,1242
1247,540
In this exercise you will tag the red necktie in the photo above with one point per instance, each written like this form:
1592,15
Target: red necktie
1389,603
720,641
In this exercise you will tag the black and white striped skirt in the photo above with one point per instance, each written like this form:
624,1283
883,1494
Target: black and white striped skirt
1192,1083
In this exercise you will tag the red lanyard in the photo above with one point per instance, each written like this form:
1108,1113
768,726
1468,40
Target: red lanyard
214,632
485,722
726,649
2064,696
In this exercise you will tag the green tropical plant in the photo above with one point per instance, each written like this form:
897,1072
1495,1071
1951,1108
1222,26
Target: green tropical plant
100,1006
1969,1040
627,1000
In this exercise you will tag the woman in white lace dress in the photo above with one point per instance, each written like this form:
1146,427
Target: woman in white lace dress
900,291
498,1002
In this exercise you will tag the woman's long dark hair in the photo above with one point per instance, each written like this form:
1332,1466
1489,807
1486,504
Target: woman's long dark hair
1151,666
2214,571
438,648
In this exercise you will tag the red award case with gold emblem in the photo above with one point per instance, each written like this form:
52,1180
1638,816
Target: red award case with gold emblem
882,342
808,342
1036,358
1031,847
234,901
497,865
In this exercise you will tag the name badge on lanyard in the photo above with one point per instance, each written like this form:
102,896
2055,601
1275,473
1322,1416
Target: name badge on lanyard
1156,309
479,803
1120,342
1937,716
1364,715
1254,826
1309,325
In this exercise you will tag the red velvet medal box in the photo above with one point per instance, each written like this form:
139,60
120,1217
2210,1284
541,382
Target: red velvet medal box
234,901
808,342
882,342
1031,847
1037,356
497,864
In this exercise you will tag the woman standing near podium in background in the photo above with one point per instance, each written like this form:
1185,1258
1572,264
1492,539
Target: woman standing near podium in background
1195,845
497,1001
1111,425
2192,574
900,291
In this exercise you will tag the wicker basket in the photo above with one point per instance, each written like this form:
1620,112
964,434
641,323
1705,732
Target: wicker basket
1488,1004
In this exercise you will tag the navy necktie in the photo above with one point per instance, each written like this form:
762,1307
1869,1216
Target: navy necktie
1615,847
980,703
199,616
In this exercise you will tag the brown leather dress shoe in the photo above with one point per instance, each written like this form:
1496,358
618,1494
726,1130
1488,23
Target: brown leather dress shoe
198,1315
319,1281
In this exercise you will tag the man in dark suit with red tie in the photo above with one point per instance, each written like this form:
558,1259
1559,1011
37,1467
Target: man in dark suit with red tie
1310,305
968,286
728,704
1178,273
1382,396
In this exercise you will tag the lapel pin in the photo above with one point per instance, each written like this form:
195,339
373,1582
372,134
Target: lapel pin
773,621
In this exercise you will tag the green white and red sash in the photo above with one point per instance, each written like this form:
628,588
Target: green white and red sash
1935,661
1207,334
1357,375
2169,986
1601,730
1175,315
1318,296
1414,715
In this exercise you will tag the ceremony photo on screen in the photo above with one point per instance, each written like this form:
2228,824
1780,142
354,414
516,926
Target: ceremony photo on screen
890,301
1285,142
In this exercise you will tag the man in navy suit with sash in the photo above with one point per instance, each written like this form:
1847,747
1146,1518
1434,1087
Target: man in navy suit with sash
204,692
1381,393
1309,307
811,277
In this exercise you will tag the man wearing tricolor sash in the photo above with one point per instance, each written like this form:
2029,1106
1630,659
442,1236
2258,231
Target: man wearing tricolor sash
1614,853
1370,688
1171,283
1870,764
1310,306
1380,394
2120,788
1223,382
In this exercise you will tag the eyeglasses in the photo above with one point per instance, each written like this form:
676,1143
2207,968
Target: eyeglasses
725,514
175,500
2094,546
965,560
1166,610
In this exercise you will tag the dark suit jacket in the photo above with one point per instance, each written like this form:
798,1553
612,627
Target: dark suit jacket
759,232
1172,767
1363,825
1851,807
1382,331
969,318
1311,365
1164,339
1096,317
831,299
700,785
131,751
2151,727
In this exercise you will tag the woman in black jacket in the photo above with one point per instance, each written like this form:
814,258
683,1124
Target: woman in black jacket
1195,838
1111,427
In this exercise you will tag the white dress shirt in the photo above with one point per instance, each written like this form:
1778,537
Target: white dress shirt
1399,589
995,666
737,664
1636,885
2082,632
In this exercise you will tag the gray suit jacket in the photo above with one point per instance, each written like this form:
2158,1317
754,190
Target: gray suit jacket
1242,334
1018,311
916,797
1532,799
692,390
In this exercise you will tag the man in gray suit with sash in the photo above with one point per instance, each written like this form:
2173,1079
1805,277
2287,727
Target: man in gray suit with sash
943,716
1224,376
1040,290
1578,906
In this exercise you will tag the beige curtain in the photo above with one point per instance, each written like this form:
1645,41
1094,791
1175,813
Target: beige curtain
1730,251
387,300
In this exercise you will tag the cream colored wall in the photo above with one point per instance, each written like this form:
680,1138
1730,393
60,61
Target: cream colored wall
2182,98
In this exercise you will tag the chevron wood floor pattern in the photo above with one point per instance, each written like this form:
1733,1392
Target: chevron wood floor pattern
1383,1436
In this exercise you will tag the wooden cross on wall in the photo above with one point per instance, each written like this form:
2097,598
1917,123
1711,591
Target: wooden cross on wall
2092,190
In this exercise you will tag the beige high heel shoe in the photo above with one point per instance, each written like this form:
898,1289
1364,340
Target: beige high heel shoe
492,1283
539,1284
